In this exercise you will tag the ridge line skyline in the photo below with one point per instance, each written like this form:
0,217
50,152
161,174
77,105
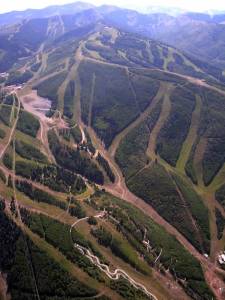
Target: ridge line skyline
144,5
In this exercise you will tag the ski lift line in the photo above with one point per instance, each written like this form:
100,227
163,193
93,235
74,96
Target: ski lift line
29,261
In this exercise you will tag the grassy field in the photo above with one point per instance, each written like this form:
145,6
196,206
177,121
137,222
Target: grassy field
191,137
165,111
175,129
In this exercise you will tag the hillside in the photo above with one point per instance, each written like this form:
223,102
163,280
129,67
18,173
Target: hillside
111,164
200,35
29,14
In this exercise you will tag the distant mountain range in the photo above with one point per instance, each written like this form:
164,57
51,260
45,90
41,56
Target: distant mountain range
199,34
17,16
76,7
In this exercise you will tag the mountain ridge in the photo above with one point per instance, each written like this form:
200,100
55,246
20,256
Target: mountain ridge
111,161
198,34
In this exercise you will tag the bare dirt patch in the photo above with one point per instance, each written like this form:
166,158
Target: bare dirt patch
36,104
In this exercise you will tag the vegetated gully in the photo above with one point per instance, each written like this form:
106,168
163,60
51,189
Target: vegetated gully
119,189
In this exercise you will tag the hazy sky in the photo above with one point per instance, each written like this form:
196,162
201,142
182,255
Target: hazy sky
197,5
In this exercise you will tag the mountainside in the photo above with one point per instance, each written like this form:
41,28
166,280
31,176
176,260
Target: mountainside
198,34
112,161
48,30
18,16
203,39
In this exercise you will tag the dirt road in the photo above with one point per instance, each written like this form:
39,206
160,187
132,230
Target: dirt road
113,275
11,132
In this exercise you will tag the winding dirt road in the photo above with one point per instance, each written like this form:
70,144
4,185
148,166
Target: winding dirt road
113,275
